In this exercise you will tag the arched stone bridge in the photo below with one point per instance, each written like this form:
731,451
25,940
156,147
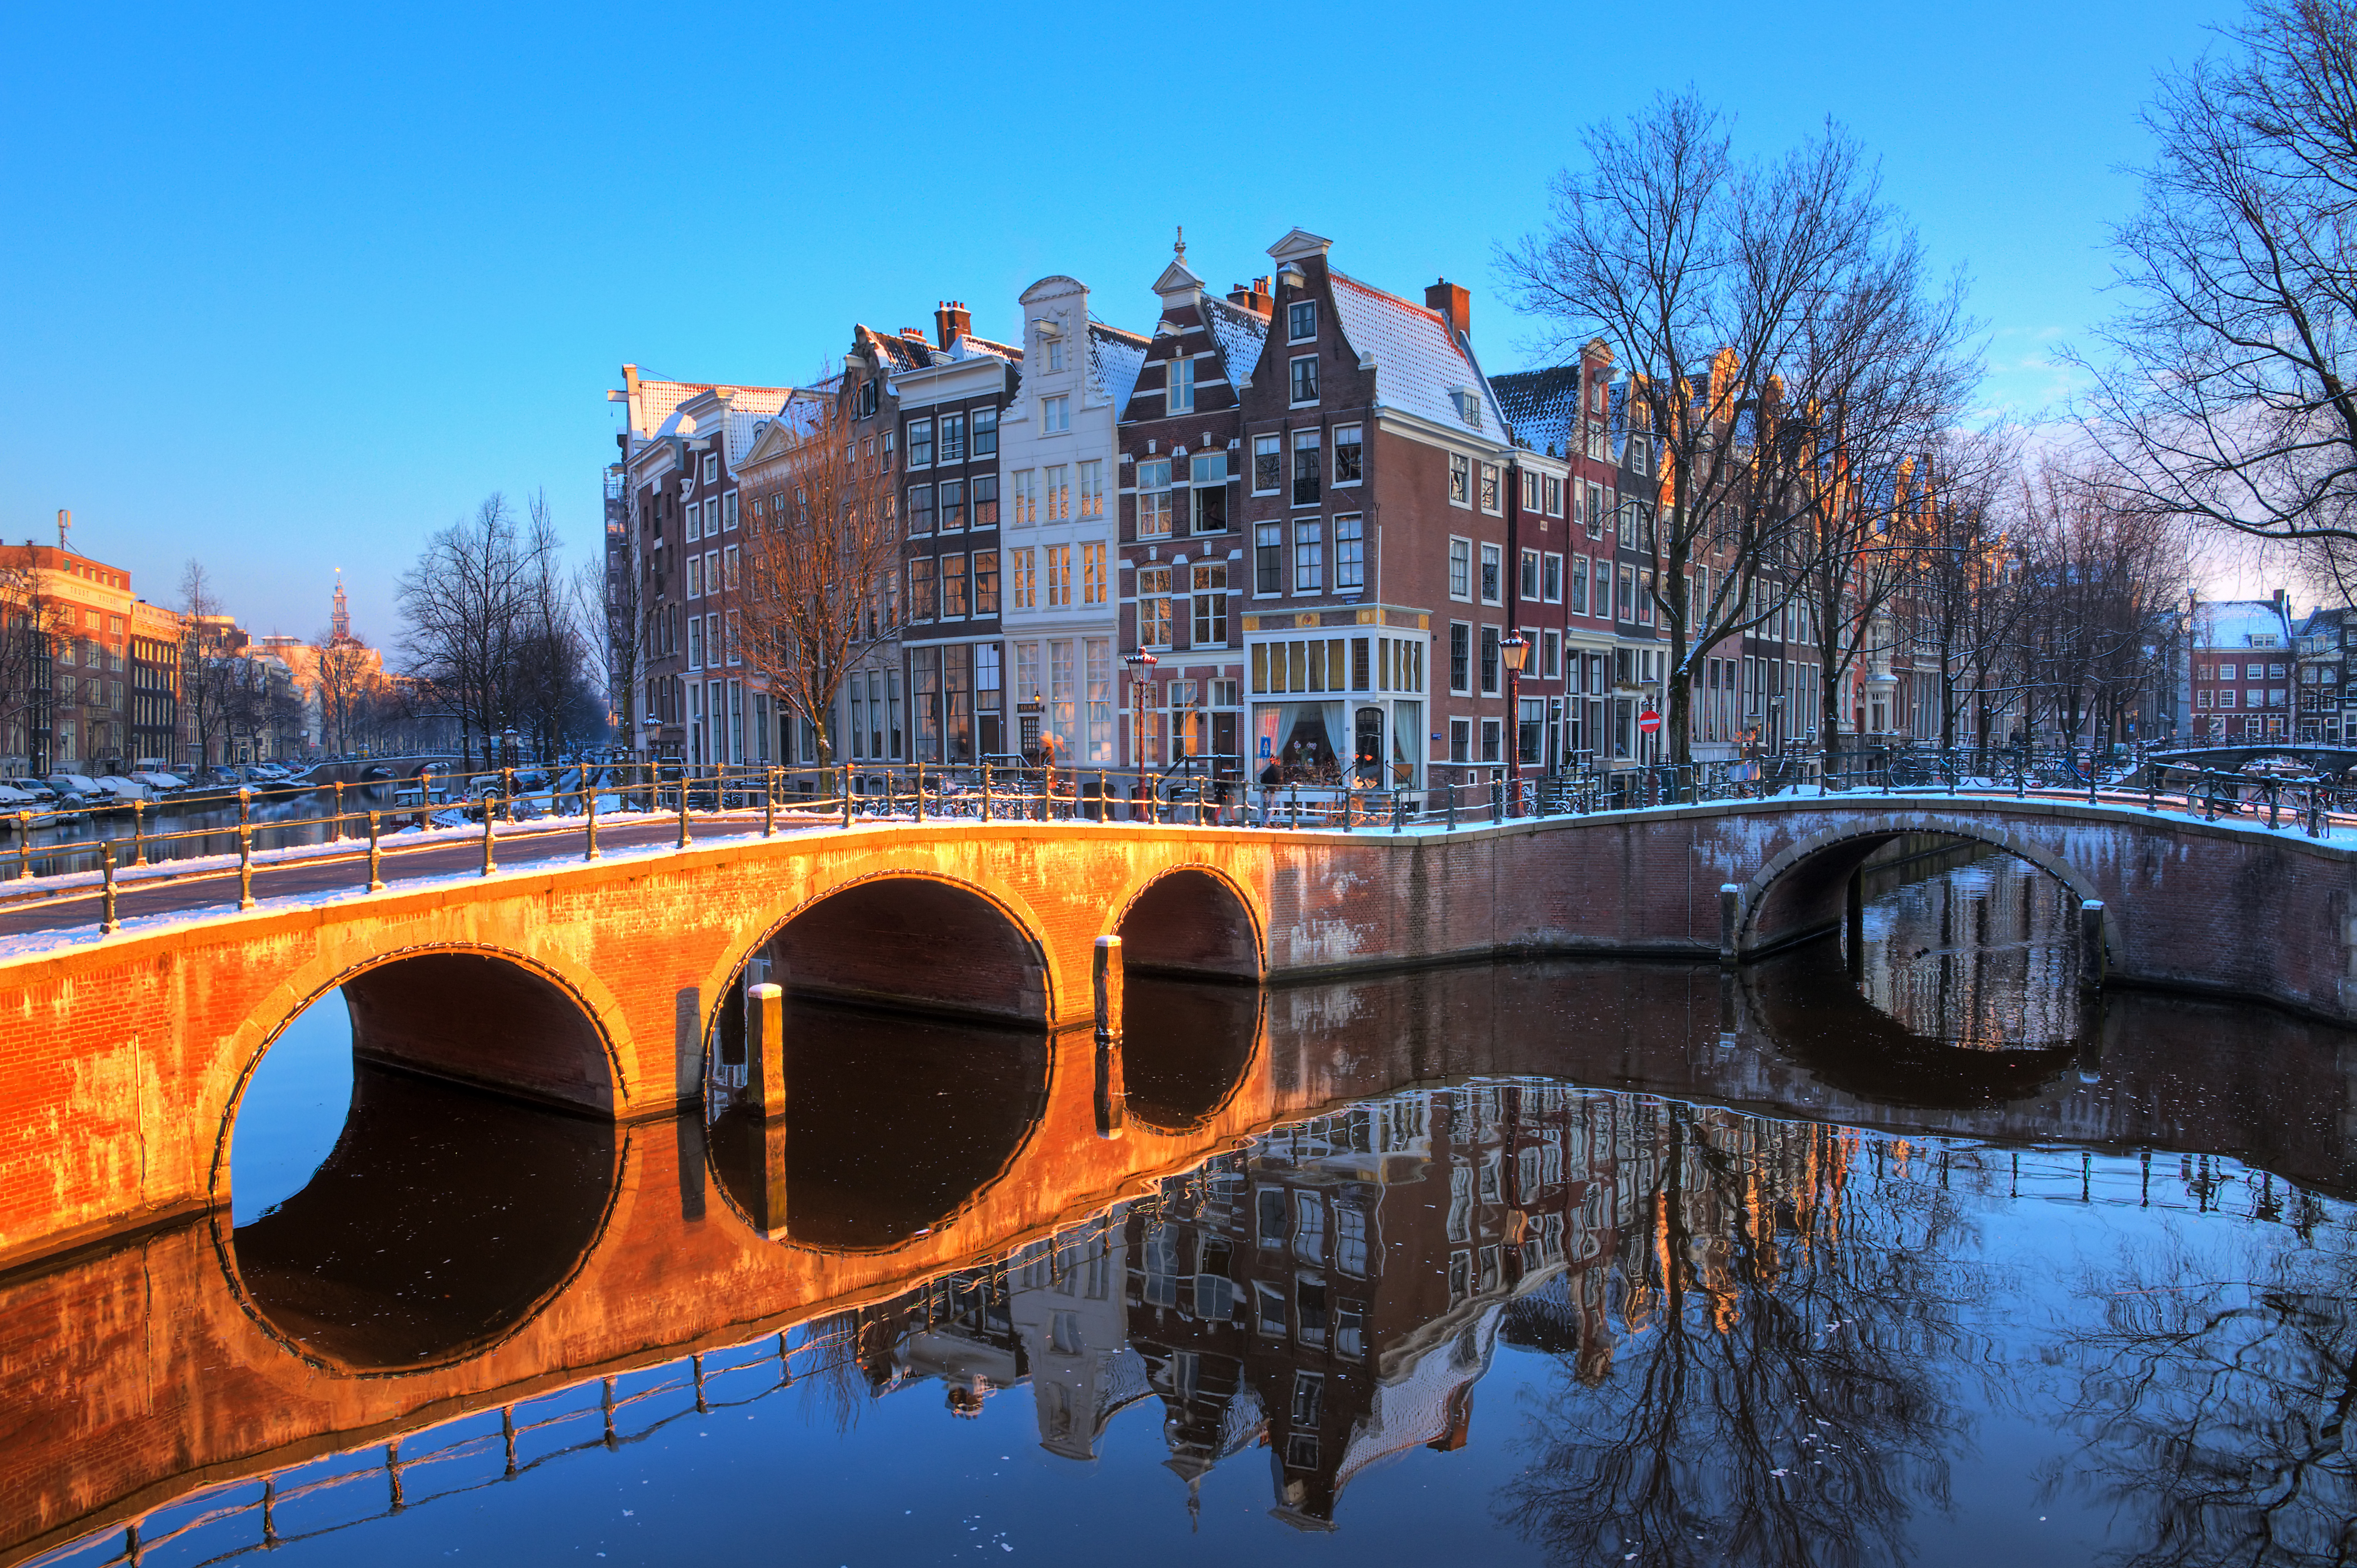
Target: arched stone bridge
598,985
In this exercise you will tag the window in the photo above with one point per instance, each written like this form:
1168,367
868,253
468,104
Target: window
1492,562
1460,740
952,499
1304,468
1550,655
1210,605
728,567
921,589
1350,455
953,438
1490,498
1468,405
1058,487
1550,581
1026,497
1178,381
1460,657
1301,321
1529,589
1311,664
1601,605
1093,574
1460,480
1554,496
694,580
1055,415
1309,556
1153,606
985,582
1489,662
1268,465
1350,554
985,433
1092,489
954,602
920,443
1460,568
920,508
696,644
728,512
985,500
1154,499
1268,558
1491,744
694,515
711,468
1024,565
1305,378
1059,576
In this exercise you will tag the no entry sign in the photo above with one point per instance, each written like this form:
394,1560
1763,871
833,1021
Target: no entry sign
1649,721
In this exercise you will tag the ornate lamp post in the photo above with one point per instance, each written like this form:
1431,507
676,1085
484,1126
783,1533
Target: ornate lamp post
1516,651
1141,675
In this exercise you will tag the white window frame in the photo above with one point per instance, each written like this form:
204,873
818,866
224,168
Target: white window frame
1461,467
1174,383
1277,446
1460,553
1292,379
1290,335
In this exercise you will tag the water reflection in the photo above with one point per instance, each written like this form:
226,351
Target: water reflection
892,1123
1975,948
439,1223
1540,1262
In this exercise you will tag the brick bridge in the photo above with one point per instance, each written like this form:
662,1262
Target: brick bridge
598,985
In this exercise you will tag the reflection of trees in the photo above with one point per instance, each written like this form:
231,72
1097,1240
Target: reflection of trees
1776,1400
2214,1395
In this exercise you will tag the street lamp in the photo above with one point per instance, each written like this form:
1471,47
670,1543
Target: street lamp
1141,674
1516,651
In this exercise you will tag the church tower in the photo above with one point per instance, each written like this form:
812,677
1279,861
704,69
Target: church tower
340,627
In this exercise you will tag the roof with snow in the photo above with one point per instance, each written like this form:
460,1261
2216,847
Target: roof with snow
1543,407
1238,332
2231,623
894,351
1115,357
1420,365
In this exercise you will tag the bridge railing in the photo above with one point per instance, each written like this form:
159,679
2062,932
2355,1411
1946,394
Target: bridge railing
540,809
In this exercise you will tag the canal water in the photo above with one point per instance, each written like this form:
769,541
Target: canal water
1906,1255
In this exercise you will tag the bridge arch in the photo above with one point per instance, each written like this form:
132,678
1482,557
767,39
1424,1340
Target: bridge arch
1192,920
905,940
443,1219
545,1028
1799,892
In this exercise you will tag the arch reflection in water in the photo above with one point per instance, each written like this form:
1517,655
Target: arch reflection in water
892,1123
1186,1045
440,1218
1975,947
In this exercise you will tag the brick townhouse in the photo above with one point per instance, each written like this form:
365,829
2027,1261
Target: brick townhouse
1358,491
106,700
1185,572
2241,655
950,408
2325,649
681,442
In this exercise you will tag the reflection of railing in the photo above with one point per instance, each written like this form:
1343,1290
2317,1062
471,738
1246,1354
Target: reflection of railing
339,1491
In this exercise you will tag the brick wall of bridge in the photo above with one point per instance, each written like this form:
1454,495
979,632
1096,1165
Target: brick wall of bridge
121,1059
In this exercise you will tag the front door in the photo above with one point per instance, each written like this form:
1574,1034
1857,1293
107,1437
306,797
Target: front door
1224,742
1367,748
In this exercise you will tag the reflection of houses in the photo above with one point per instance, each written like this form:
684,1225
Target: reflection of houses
1333,1292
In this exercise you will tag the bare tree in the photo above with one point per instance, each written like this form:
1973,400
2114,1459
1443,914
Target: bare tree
1964,590
484,587
31,624
210,672
343,668
2099,579
818,564
1779,333
2229,394
617,611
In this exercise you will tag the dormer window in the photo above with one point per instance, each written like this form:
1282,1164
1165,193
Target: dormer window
1055,353
1468,405
1301,321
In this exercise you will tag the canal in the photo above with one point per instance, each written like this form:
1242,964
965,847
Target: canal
1904,1253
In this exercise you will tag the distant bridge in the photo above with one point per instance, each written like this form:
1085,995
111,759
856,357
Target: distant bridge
2324,759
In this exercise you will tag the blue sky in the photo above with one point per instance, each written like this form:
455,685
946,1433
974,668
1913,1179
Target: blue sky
288,289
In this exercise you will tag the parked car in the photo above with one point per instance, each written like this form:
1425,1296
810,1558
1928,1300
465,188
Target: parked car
161,783
123,790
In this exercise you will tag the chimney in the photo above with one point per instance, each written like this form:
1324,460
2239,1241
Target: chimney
914,334
951,321
1255,298
1453,303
